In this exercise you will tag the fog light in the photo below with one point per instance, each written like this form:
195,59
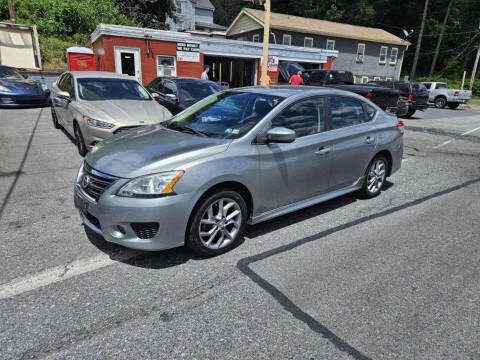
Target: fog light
118,231
6,100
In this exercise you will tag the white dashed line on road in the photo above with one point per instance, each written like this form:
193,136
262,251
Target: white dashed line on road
59,273
451,140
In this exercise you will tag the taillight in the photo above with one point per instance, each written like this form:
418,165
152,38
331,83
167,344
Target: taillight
369,96
401,128
410,98
456,93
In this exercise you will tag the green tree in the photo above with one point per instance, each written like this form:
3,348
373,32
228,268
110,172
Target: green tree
148,13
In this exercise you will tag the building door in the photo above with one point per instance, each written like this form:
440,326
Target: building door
127,61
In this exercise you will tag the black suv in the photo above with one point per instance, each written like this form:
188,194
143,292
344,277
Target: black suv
178,93
414,94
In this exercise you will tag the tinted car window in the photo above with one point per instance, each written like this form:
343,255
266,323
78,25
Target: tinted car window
441,86
427,85
155,84
225,115
345,112
92,89
370,110
169,87
305,117
192,91
404,87
9,73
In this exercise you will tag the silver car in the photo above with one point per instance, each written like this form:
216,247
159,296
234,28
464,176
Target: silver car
236,157
93,105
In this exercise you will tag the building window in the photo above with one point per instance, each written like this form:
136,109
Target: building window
360,53
376,78
166,66
393,56
383,55
256,38
330,44
287,40
308,42
178,6
388,79
364,79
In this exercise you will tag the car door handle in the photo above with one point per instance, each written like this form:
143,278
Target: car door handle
322,151
369,139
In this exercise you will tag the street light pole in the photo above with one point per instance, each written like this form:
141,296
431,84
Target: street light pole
11,9
266,38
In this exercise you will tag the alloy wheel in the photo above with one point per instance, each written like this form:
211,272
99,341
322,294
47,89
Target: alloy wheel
376,176
220,223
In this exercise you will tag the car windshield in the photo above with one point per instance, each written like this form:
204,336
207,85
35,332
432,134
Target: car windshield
9,73
192,91
226,115
92,89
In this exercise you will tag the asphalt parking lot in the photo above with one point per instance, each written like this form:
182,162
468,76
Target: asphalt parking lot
394,277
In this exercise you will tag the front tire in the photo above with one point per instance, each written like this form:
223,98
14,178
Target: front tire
453,106
440,102
82,148
218,223
375,177
56,124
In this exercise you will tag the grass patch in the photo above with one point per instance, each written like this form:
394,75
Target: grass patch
475,100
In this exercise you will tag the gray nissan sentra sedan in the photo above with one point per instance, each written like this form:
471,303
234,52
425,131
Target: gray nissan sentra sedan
236,157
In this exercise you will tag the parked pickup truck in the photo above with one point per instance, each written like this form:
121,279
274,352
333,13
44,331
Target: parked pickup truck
441,95
385,98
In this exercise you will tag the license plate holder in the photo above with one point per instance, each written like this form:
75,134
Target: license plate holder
81,203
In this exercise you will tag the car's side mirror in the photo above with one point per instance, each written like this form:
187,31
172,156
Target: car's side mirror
63,95
155,95
173,97
280,135
25,76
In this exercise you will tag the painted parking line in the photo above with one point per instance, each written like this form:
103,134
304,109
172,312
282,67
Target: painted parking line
451,140
59,273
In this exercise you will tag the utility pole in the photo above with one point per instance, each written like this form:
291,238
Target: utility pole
11,9
474,71
419,42
266,38
437,50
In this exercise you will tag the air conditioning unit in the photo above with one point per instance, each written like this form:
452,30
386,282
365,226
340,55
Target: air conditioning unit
360,58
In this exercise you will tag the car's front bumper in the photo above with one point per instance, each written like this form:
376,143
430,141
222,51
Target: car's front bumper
24,101
116,218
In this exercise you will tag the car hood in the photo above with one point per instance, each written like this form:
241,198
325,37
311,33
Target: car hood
22,86
125,111
151,149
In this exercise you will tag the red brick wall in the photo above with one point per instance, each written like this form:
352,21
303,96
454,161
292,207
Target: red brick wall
148,61
328,64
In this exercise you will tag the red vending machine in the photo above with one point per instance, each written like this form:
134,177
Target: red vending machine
80,59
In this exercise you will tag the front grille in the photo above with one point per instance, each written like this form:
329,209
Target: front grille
125,129
97,182
145,230
29,100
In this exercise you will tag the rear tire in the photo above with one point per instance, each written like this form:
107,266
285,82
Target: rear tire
56,125
440,102
453,106
213,231
410,113
81,147
375,177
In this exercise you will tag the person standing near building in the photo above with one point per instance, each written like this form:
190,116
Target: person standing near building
296,79
206,69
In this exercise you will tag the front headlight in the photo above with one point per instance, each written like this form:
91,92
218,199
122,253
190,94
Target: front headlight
97,123
151,186
4,89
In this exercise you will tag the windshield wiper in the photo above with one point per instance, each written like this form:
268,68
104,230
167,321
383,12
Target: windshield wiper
188,129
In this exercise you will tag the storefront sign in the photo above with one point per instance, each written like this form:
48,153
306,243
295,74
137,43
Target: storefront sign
188,52
272,64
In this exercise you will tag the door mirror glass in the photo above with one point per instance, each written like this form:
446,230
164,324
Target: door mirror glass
280,135
171,96
63,95
155,95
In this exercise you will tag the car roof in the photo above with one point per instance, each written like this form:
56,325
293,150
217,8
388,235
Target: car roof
288,90
100,74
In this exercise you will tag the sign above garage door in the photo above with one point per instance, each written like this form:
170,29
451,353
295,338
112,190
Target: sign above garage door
188,51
